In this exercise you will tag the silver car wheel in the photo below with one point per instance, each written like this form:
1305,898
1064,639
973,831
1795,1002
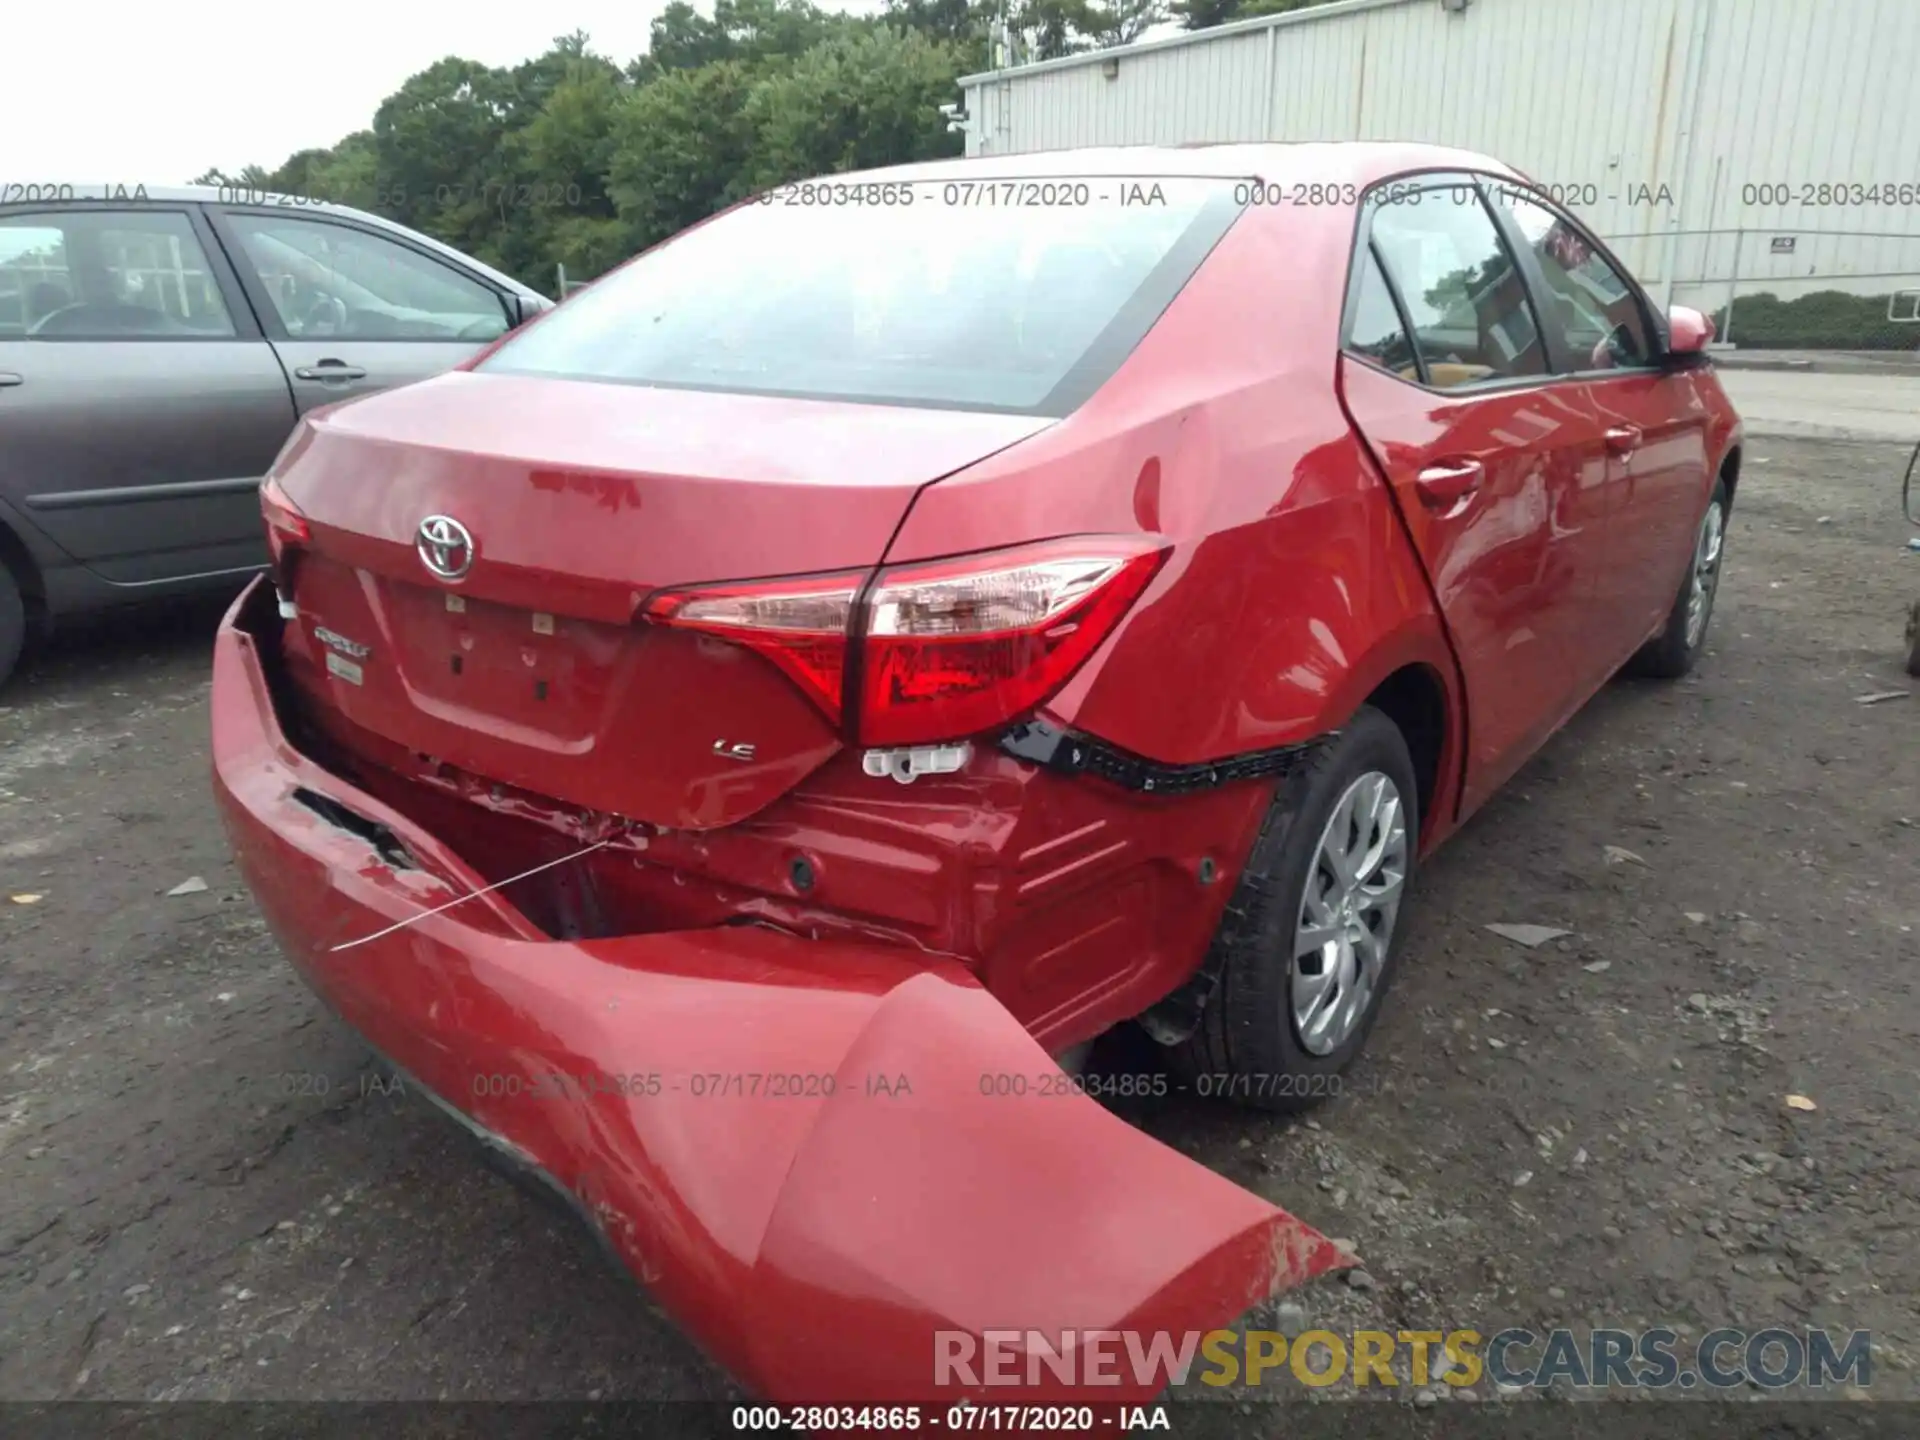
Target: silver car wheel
1706,572
1347,911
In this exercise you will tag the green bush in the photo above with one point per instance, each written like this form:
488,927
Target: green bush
1823,320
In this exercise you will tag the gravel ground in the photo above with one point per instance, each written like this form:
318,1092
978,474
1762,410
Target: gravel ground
208,1191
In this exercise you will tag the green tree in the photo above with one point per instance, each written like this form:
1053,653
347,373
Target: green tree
1277,7
295,174
568,157
349,174
253,177
553,204
678,149
858,101
680,38
753,32
1205,14
961,23
1048,29
438,141
762,31
1121,22
564,60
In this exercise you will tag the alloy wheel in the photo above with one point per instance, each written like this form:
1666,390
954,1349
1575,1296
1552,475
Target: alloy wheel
1347,913
1706,572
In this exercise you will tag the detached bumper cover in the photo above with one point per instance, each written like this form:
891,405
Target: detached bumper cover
795,1145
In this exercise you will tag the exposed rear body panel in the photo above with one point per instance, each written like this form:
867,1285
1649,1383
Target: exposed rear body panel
532,668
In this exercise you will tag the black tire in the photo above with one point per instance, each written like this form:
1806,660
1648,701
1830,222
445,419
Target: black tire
1248,1046
1913,639
1671,654
13,622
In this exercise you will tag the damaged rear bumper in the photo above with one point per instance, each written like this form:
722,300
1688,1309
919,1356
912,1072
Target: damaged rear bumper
802,1148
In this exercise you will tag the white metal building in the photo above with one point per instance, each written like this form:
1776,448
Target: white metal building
1720,145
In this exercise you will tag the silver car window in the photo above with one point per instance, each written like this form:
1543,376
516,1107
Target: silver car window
99,274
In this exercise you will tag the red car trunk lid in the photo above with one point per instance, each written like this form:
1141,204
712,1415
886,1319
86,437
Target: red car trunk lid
578,500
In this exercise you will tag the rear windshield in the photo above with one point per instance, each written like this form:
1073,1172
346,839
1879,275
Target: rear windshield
1010,295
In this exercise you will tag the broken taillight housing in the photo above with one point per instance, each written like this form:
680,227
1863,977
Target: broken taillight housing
800,625
960,646
285,524
946,648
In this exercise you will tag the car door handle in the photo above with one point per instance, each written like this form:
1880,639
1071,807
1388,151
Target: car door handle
330,370
1445,485
1623,440
8,379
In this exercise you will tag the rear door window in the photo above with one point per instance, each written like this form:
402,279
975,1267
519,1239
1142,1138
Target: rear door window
329,281
950,295
1376,331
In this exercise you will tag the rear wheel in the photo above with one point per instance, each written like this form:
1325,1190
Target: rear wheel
1673,652
1306,951
13,622
1913,639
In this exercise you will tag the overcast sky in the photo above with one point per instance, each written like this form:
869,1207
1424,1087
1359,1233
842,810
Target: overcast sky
154,95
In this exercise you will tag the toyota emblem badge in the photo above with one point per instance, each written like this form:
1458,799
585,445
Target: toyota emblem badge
445,546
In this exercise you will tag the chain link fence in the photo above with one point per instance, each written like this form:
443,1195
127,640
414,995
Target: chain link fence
1788,290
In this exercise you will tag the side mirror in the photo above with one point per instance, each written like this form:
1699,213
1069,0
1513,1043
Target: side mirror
1688,331
523,308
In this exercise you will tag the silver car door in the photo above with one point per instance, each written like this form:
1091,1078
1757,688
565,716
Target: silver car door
350,309
141,404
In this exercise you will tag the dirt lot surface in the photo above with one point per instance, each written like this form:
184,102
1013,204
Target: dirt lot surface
205,1193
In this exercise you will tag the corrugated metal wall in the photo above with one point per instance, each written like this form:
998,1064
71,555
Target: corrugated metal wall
1695,134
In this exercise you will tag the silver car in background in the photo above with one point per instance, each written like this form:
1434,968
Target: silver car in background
156,347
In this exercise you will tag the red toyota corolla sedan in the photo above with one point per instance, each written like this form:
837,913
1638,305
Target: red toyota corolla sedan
726,741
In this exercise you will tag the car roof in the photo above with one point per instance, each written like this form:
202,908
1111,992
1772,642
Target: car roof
239,194
1349,162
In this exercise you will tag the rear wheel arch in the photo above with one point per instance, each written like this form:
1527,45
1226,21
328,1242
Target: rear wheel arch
1420,699
1237,1026
1730,473
1414,697
22,598
19,560
1413,677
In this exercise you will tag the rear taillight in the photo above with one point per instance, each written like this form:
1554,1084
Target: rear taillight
285,524
947,649
961,646
800,625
